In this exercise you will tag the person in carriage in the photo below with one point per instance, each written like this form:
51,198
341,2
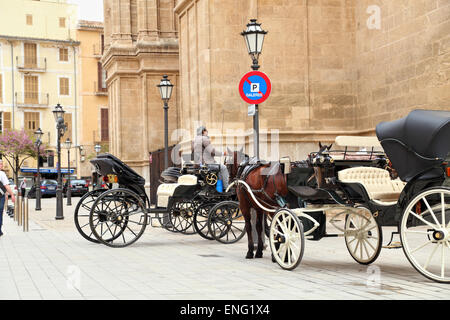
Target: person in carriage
204,153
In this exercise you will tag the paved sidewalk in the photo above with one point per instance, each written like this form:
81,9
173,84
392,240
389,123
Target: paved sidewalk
52,261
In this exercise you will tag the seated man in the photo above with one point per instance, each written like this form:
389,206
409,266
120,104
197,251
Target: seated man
204,153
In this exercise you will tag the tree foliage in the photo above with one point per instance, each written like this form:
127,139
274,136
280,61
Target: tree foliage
16,146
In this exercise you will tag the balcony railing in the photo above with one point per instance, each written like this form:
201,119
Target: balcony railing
100,91
31,63
32,99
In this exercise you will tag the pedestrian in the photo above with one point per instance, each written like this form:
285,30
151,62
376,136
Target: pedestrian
23,186
4,189
204,153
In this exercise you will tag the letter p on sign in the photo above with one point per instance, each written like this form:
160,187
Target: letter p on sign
255,87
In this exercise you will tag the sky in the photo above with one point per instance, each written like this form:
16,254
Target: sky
89,9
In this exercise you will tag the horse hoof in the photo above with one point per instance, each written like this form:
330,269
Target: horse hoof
273,259
259,255
249,256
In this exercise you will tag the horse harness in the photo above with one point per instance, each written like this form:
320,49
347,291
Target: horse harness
244,171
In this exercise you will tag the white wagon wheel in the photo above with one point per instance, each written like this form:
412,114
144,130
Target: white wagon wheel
363,235
425,233
286,239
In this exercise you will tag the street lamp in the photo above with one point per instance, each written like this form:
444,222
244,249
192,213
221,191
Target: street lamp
38,135
68,144
61,128
97,149
165,90
254,39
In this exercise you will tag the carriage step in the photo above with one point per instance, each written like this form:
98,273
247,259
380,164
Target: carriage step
393,245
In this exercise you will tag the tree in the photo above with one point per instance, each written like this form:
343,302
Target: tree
16,146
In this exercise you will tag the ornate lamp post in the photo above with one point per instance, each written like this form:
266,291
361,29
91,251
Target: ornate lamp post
61,128
97,149
68,144
165,90
254,39
38,135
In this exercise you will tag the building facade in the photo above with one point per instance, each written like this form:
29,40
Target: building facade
93,94
38,69
337,67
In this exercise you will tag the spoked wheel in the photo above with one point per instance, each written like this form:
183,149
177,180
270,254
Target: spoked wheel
82,211
164,221
425,233
181,216
201,220
226,223
118,217
363,236
286,239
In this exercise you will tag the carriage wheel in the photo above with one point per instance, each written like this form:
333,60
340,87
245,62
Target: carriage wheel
363,236
118,217
226,223
181,216
425,233
201,220
82,211
286,239
164,221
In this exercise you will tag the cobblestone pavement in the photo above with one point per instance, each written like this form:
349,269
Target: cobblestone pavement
52,261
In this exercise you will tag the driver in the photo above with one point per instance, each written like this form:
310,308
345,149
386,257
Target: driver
204,153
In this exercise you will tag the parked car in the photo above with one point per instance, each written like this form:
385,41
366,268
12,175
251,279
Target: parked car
48,189
13,187
77,187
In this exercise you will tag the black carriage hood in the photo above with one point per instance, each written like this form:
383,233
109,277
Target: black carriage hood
411,142
108,164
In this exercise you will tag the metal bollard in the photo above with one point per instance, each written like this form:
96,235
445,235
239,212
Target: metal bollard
25,214
19,209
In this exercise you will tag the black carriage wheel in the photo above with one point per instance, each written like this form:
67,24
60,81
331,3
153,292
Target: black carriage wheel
181,216
201,220
226,223
118,218
165,222
82,212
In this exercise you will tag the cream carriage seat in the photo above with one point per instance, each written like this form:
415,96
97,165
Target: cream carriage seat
166,190
377,182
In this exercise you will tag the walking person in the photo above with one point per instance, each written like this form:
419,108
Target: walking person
4,188
204,153
23,186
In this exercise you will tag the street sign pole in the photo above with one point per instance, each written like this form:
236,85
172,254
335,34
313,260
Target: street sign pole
256,132
255,88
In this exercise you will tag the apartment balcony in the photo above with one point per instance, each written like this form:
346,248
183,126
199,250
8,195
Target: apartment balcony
99,91
31,64
32,99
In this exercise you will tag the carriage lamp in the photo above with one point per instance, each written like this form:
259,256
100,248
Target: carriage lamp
254,39
165,90
68,144
61,128
38,135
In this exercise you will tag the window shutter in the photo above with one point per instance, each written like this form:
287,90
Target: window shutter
104,125
7,120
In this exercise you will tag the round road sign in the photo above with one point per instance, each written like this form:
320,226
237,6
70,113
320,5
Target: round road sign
255,87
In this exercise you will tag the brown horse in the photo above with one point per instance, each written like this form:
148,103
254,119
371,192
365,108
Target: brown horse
267,183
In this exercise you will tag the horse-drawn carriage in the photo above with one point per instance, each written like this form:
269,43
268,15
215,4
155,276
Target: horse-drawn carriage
187,202
358,193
